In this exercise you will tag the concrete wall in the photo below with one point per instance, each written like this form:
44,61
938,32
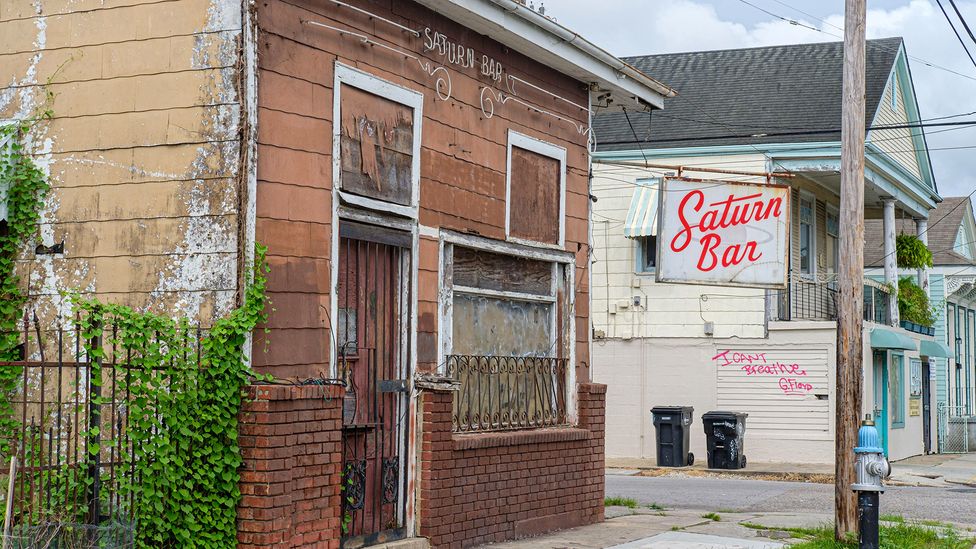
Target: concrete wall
142,152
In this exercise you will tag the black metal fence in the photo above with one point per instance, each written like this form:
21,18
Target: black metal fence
807,300
499,393
70,453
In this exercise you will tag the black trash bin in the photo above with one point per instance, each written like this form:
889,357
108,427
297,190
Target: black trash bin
725,439
672,425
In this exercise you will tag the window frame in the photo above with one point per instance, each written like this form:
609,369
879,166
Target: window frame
639,255
897,421
544,148
832,210
364,81
810,197
559,258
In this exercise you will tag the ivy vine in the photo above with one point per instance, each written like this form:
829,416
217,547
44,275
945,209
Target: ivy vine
186,390
23,187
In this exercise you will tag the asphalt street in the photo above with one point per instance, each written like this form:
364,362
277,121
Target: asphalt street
955,504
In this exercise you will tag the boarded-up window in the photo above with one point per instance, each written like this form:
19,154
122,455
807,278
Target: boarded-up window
534,195
501,327
377,143
490,271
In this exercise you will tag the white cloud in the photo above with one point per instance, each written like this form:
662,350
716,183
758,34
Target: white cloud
691,25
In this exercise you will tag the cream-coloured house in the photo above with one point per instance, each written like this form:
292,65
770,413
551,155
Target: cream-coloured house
769,353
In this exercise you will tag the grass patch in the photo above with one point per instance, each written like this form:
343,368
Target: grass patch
899,536
676,528
629,503
892,518
712,516
727,511
655,507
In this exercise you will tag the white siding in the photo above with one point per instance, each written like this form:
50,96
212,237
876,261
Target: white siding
896,143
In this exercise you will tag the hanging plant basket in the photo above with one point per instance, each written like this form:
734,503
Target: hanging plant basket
912,253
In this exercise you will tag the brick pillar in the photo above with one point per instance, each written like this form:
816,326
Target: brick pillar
436,478
592,416
291,441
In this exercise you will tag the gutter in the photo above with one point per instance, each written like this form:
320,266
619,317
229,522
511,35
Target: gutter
587,47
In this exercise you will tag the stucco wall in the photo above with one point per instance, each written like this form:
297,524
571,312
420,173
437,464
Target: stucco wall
142,152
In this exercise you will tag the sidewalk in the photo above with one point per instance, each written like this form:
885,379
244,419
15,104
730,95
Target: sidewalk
675,529
936,470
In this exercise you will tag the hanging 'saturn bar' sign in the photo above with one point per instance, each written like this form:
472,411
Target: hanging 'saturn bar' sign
723,233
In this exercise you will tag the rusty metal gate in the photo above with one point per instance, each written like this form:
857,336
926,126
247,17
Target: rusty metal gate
373,356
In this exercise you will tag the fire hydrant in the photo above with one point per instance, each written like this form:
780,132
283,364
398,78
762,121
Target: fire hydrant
871,468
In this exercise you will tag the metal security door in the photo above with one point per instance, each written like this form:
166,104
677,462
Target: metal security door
926,408
373,350
881,396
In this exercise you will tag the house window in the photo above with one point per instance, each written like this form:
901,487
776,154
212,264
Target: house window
807,235
508,333
833,239
535,190
896,390
646,254
376,136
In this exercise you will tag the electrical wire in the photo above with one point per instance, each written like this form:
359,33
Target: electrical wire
879,46
956,32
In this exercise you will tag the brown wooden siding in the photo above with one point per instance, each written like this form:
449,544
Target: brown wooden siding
462,160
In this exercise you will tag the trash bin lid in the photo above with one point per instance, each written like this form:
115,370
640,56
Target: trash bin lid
723,415
672,409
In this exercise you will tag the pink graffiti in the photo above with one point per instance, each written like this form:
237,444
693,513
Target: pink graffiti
756,364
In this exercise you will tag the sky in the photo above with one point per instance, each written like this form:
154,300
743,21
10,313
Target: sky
637,27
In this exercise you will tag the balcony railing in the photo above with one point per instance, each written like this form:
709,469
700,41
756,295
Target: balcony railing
816,299
501,393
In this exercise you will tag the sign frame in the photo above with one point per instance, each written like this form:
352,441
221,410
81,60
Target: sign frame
788,220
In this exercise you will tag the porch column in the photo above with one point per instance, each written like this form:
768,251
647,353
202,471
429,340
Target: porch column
921,229
890,259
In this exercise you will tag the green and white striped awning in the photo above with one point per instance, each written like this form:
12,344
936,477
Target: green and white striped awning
642,215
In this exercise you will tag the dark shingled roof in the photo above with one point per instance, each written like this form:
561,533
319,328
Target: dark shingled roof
944,223
745,92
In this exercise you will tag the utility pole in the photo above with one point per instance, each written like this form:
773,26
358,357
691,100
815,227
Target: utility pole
850,320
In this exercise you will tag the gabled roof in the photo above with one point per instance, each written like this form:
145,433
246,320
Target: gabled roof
777,89
945,221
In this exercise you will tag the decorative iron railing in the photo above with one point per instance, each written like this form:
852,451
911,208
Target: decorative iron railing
500,393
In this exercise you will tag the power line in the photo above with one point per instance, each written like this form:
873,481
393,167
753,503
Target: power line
962,20
956,32
826,131
874,45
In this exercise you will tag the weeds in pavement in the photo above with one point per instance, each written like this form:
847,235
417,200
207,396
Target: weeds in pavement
676,528
629,503
712,516
902,535
655,507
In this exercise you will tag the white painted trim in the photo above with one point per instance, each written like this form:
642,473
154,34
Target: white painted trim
445,303
375,85
429,232
379,205
368,217
250,100
535,251
516,296
544,148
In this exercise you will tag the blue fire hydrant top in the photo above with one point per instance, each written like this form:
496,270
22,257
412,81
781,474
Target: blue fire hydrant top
868,440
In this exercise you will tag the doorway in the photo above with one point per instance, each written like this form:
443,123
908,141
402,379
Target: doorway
881,396
373,358
926,408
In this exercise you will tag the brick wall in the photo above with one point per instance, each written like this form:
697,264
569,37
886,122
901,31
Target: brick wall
490,487
291,441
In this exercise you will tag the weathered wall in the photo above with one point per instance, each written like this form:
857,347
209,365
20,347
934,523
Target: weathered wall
143,149
462,165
